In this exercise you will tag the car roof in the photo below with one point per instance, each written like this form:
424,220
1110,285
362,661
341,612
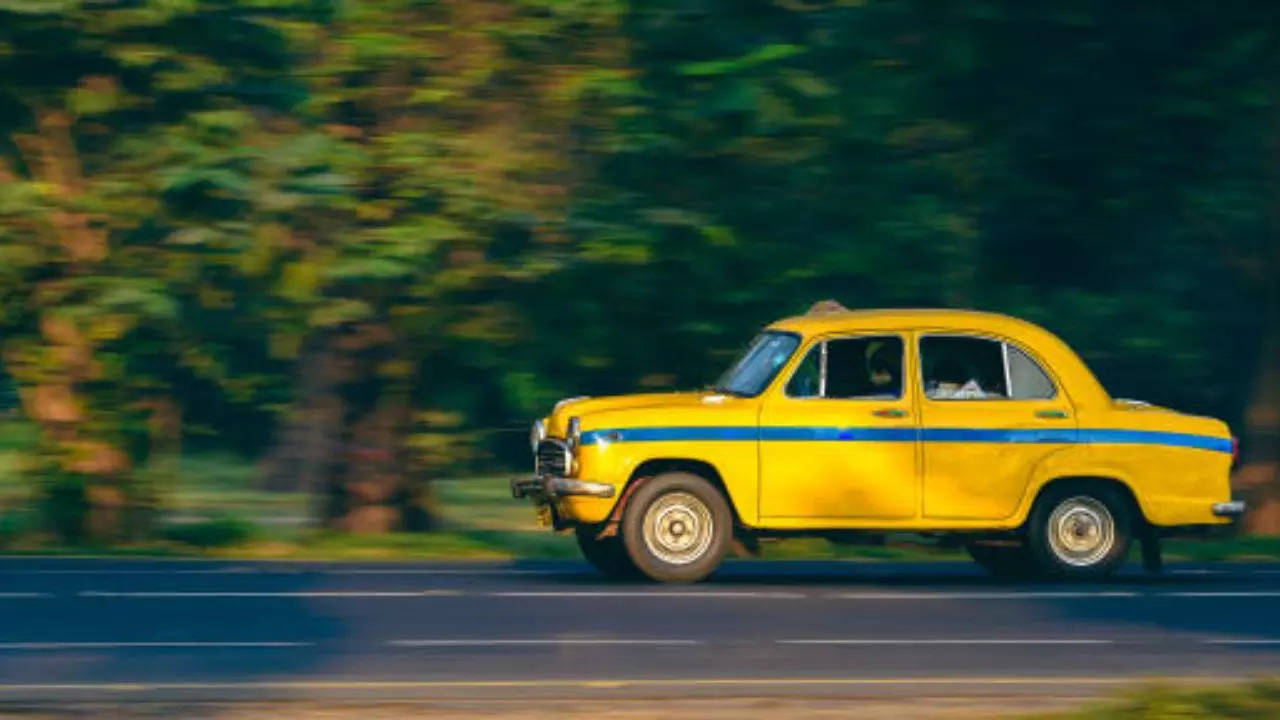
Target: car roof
1075,376
904,318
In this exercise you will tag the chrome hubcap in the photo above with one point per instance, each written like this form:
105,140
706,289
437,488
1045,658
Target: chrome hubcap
678,528
1081,531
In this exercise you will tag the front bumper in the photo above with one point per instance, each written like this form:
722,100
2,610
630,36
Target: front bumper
548,487
1233,509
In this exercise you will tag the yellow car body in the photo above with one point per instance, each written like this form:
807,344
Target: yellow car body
916,462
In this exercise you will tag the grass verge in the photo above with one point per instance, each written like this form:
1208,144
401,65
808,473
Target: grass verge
216,512
226,538
1254,701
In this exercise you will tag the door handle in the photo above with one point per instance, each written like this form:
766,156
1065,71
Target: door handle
1052,414
889,413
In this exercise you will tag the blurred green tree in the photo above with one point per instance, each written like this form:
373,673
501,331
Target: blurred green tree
452,125
357,238
1127,197
766,155
123,182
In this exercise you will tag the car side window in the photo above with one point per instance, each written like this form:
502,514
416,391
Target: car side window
1027,379
962,368
850,368
957,367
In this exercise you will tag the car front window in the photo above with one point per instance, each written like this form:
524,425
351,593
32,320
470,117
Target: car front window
866,368
753,372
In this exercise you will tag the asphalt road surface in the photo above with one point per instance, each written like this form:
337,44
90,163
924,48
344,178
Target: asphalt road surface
75,629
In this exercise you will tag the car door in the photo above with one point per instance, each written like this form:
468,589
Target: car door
989,412
838,436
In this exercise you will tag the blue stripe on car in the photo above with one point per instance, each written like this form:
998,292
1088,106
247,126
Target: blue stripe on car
864,434
881,434
984,435
1152,437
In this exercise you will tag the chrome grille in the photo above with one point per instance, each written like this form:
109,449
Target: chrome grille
552,458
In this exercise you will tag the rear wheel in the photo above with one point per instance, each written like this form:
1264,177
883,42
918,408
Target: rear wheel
606,555
1003,561
677,528
1080,531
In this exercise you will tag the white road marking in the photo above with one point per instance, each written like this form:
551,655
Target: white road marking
23,595
537,641
652,642
1223,594
979,595
944,641
1221,571
281,594
1242,641
655,594
157,644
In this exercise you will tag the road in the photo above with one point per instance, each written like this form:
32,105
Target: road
87,629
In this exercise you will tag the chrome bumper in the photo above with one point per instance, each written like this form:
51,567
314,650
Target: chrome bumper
1235,508
548,487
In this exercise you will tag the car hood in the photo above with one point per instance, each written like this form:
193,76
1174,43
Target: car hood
589,408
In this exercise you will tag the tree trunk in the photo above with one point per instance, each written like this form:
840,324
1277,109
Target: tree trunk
1258,477
308,438
347,439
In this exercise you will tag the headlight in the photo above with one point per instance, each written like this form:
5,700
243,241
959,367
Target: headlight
574,432
537,434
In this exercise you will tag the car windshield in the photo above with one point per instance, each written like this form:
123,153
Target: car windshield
751,374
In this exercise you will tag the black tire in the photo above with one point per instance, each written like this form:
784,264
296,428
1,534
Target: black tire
1009,562
606,555
1079,511
678,508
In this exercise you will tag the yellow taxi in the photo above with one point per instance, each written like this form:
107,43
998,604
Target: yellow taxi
976,428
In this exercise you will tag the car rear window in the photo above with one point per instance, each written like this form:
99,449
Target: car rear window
960,367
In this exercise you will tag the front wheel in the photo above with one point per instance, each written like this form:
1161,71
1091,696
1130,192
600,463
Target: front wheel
677,528
1080,532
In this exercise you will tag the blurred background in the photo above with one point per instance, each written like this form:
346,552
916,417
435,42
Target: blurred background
278,273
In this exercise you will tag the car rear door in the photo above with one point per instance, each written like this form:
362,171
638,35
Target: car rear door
990,411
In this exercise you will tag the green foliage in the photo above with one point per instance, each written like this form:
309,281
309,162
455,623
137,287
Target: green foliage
1256,700
64,507
1243,548
13,526
991,155
218,532
484,206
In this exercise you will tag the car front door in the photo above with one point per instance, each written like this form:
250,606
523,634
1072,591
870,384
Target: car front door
838,436
989,414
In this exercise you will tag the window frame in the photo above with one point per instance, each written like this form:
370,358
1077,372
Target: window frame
821,343
1005,344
